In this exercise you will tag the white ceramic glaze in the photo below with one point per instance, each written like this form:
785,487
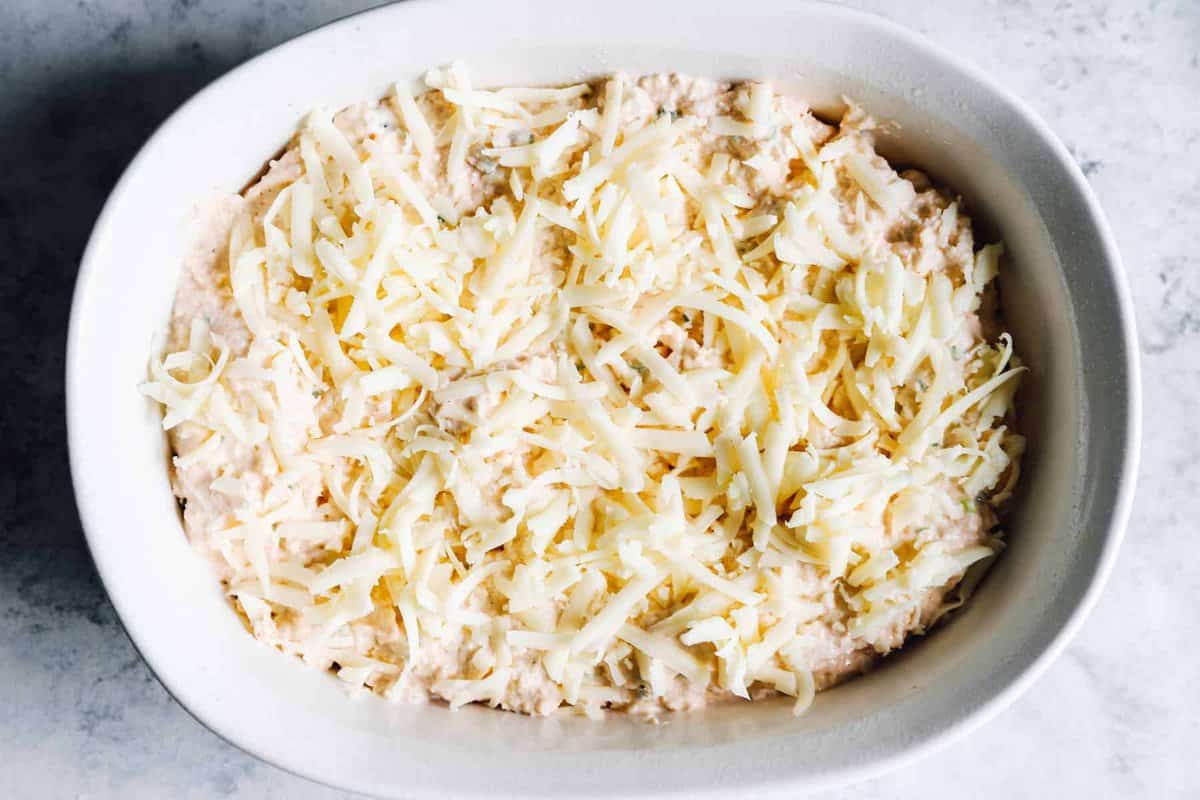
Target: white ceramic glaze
1064,294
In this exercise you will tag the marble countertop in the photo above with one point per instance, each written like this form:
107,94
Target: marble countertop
83,84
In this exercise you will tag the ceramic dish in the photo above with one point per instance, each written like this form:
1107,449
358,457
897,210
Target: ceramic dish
1065,298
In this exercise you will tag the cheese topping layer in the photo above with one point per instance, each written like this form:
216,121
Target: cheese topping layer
626,395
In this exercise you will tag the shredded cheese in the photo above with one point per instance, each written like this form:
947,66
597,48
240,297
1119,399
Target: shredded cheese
600,390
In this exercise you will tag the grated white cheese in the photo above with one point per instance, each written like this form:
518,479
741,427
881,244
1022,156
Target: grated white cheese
537,396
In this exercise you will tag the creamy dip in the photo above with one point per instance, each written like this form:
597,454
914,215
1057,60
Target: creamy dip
634,395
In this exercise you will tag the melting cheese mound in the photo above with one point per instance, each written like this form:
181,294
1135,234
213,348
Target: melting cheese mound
627,395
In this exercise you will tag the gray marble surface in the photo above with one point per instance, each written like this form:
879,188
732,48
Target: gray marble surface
83,83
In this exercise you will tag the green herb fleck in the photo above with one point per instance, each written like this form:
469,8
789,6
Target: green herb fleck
955,353
442,219
967,505
639,367
643,691
670,112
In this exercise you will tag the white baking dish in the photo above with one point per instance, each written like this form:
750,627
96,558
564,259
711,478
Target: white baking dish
1064,295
